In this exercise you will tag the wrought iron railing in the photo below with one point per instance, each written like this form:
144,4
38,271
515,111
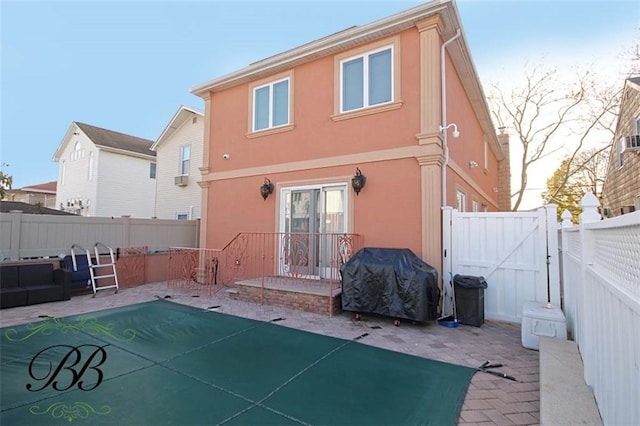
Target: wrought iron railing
266,259
194,269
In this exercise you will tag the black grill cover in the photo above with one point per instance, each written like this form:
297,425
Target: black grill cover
391,282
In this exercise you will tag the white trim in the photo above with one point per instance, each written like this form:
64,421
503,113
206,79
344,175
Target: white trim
181,172
175,122
322,271
336,42
365,56
270,85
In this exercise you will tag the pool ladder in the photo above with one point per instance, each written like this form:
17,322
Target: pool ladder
97,269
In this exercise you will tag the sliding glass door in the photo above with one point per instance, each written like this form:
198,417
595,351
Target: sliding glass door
308,216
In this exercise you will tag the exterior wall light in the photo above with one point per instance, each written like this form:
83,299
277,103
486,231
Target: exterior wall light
473,164
266,189
456,133
358,181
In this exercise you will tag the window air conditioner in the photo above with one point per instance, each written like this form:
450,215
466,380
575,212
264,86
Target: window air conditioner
181,180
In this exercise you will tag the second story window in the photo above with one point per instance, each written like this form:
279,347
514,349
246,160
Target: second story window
366,80
77,152
152,170
271,105
185,159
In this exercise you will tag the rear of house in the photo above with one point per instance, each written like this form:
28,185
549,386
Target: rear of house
365,101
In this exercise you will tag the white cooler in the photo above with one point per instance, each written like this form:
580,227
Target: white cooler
541,319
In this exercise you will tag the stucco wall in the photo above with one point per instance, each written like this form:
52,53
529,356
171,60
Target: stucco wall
400,158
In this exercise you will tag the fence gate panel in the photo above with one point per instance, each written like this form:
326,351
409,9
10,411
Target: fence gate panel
516,252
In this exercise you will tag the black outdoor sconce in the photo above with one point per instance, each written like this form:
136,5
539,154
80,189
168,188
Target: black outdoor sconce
266,189
358,181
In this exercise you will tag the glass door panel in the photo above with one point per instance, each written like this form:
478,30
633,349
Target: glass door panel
302,220
333,222
311,217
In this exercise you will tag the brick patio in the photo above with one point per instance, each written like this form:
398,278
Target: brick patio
490,399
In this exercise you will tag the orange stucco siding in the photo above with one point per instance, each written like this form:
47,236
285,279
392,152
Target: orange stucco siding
315,134
468,147
386,213
400,204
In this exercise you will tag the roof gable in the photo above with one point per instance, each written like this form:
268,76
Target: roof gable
183,114
108,140
104,138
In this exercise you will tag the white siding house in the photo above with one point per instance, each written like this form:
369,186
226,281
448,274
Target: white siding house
179,156
105,173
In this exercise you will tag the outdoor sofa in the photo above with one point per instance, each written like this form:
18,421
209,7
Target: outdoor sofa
31,283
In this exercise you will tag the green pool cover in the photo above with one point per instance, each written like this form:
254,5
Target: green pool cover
164,363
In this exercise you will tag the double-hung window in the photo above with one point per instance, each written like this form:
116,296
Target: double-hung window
366,80
185,159
271,105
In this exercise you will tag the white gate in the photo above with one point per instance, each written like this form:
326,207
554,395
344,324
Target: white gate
516,252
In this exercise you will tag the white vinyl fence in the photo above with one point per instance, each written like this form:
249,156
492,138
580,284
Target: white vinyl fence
516,252
26,236
601,279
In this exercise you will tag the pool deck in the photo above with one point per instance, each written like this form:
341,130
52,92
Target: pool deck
490,400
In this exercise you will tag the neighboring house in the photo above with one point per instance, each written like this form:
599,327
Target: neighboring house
368,98
28,208
621,190
179,156
105,173
43,194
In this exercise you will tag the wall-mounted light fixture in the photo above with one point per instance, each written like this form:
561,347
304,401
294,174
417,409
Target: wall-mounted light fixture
266,189
456,133
495,189
358,181
473,164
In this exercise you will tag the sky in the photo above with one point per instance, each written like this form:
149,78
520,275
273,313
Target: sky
128,66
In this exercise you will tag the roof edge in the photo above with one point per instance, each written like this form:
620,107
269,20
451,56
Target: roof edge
166,131
350,35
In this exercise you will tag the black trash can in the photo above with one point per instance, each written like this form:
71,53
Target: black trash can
469,292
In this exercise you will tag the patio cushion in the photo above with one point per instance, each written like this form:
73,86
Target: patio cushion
44,293
9,277
36,275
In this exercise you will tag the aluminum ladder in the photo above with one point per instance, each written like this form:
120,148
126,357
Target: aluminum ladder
97,269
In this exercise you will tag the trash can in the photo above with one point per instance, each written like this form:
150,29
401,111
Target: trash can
469,292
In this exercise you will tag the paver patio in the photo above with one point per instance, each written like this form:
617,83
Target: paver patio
489,400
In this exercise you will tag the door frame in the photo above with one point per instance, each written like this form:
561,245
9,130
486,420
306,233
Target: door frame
281,208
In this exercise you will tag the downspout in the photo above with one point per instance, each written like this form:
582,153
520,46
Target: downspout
445,151
443,127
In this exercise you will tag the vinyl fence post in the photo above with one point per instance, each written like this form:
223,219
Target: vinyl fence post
553,264
16,227
589,214
126,231
568,283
